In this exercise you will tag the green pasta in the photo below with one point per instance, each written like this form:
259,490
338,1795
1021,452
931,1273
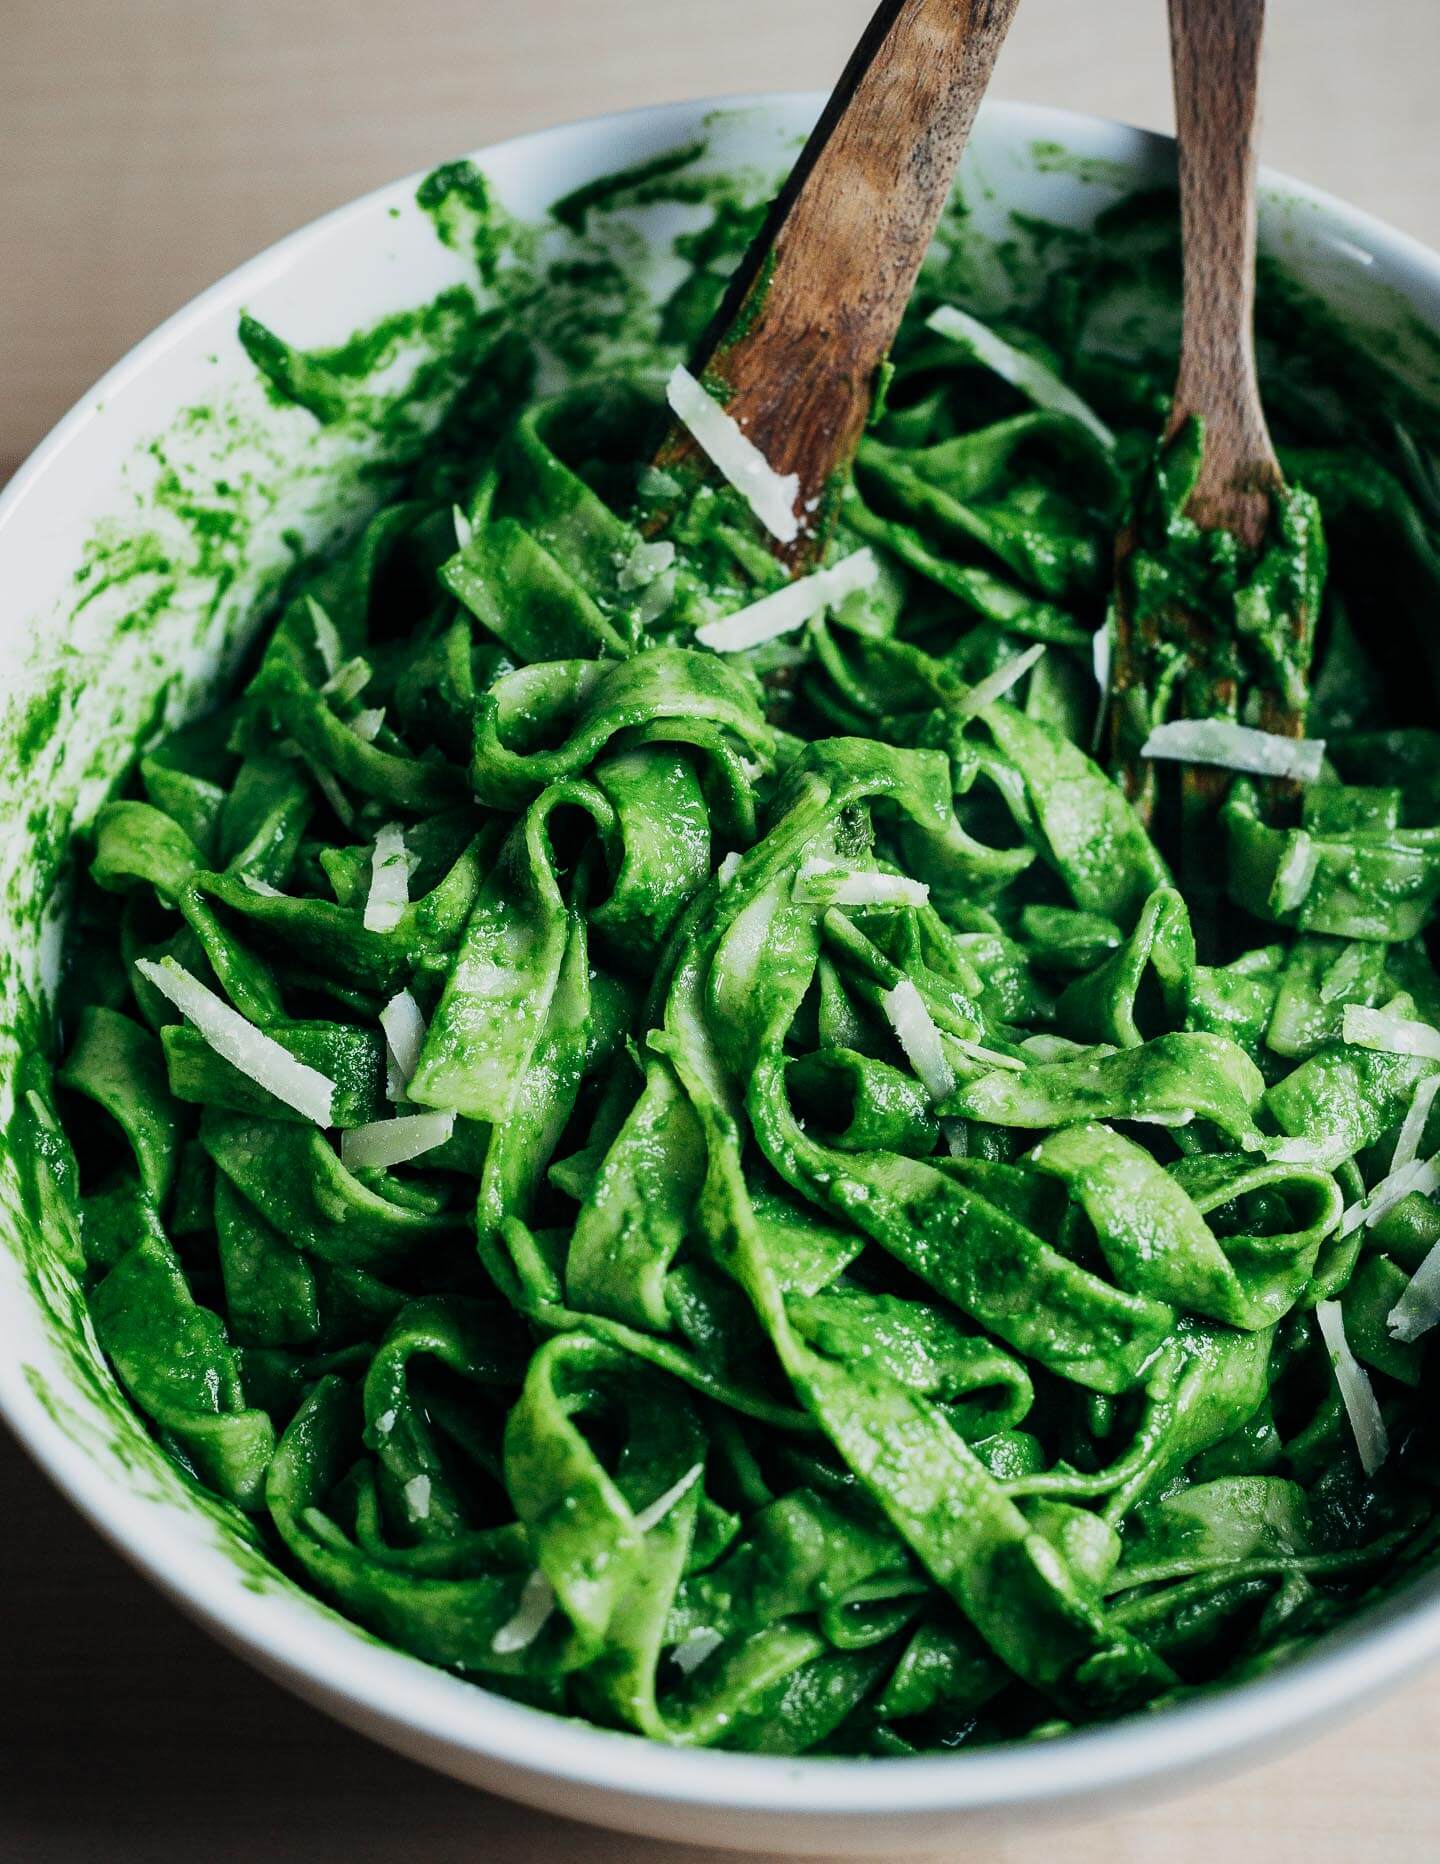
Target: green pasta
814,1243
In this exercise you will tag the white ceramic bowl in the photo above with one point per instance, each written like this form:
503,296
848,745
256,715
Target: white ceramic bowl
80,683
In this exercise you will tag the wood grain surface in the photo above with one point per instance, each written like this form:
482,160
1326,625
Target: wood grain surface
1216,60
146,146
815,303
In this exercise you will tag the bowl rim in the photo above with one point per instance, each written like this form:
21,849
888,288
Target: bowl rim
306,1646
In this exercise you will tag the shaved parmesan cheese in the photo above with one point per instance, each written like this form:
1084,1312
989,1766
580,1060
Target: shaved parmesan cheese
654,482
1053,1048
916,1033
464,529
1418,1309
393,1142
389,880
1101,650
1237,747
1356,1392
996,684
728,868
656,599
791,607
769,495
644,563
405,1033
254,884
662,1504
1294,872
1285,1151
366,725
241,1044
1419,1175
1390,1034
417,1497
1100,654
327,638
537,1601
349,682
1407,1146
1033,378
689,1656
1344,974
990,1058
385,1423
834,883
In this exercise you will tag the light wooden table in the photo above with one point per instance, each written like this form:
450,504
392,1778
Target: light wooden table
145,147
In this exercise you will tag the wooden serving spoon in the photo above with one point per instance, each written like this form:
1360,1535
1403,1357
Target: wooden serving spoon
1215,51
796,347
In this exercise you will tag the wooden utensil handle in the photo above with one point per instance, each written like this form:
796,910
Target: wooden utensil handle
1215,46
813,310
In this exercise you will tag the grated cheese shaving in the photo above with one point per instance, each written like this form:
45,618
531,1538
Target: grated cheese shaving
728,868
1101,654
1356,1392
1412,1132
655,483
417,1497
389,880
769,495
405,1034
1343,974
995,685
1285,1151
1388,1033
1053,1048
644,563
1295,872
791,607
689,1656
537,1601
917,1035
1419,1175
349,682
992,1058
656,599
366,724
835,883
1033,378
394,1142
327,638
662,1504
239,1042
1236,747
1418,1308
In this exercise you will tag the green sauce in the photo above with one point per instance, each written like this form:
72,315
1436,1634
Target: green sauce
865,1299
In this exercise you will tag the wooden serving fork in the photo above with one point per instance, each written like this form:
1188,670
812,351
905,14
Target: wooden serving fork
1215,47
